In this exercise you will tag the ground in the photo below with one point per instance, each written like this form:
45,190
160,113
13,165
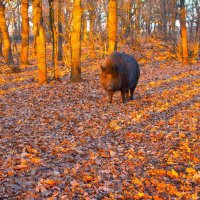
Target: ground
64,140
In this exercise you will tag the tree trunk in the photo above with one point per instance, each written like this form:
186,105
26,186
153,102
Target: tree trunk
128,21
5,36
54,39
25,32
137,18
91,33
197,22
19,28
148,27
1,52
40,41
76,42
85,32
112,26
183,32
34,31
164,18
14,21
60,32
173,18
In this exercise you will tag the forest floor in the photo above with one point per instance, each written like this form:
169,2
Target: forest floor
63,140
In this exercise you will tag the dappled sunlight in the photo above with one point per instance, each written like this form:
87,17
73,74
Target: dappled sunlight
17,80
28,77
24,79
151,105
170,80
153,137
19,88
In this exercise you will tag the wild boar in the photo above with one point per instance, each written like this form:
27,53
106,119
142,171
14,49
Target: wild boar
120,72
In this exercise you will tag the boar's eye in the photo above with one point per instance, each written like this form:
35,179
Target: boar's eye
102,68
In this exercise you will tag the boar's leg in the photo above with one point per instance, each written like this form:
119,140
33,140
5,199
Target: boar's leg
123,92
127,94
133,89
131,93
110,97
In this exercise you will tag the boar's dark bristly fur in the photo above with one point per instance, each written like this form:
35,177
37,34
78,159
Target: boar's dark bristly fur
120,72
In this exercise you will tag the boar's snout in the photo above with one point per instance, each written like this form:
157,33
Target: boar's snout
110,84
110,88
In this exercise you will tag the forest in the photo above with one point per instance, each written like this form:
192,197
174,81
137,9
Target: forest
65,133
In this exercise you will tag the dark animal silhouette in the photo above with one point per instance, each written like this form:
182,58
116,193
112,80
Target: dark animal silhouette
120,72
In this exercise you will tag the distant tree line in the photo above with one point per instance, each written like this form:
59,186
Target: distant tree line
99,24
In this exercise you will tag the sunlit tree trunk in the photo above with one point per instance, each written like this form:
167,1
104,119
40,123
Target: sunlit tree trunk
183,32
54,39
5,36
76,42
25,32
40,41
112,26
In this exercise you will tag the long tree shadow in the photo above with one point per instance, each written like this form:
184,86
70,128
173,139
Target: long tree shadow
155,117
161,103
29,76
170,80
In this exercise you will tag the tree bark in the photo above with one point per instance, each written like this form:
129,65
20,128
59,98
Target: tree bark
173,18
112,26
164,18
40,41
76,42
34,31
84,25
1,51
60,33
129,22
91,33
5,36
54,39
183,32
197,7
19,28
25,32
137,18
